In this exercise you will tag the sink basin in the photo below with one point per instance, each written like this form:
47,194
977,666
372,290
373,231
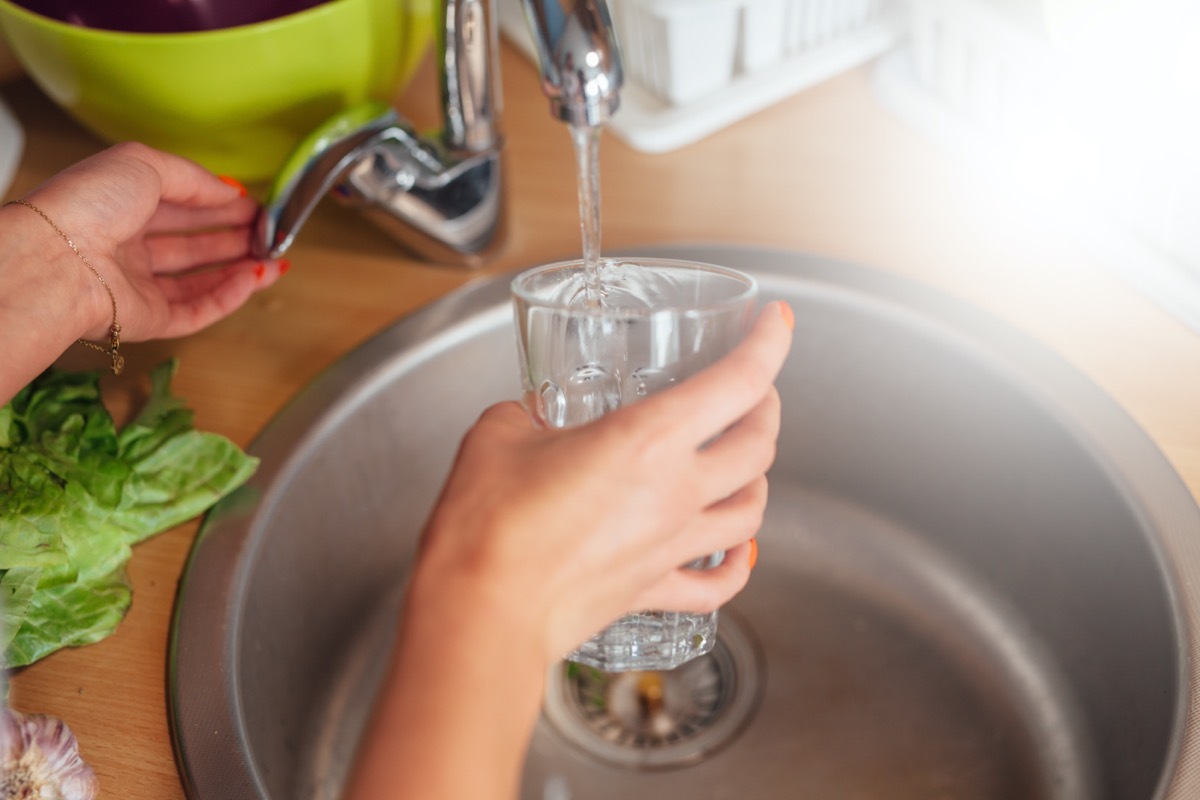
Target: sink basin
968,584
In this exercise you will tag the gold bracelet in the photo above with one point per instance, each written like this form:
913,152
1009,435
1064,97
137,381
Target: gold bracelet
114,331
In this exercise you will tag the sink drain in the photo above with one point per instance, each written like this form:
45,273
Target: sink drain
655,719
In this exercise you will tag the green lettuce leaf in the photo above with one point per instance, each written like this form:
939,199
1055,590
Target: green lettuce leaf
32,504
16,593
69,615
76,495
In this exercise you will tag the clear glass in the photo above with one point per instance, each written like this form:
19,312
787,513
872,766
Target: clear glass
591,343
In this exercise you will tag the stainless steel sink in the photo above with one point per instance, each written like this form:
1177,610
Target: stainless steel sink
968,584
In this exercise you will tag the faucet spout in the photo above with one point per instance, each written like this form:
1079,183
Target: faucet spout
580,63
442,195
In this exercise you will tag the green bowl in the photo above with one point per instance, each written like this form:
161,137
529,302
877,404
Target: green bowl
237,100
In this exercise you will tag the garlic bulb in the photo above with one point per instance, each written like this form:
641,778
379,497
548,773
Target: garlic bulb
39,760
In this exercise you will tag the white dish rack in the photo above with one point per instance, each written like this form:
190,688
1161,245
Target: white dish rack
696,66
1090,136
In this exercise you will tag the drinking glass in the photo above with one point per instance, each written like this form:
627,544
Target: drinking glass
591,341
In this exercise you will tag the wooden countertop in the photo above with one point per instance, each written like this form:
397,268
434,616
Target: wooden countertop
827,171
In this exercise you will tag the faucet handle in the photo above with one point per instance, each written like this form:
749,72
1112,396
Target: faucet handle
313,168
445,204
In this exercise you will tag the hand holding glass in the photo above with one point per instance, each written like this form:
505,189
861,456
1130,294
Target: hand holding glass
589,346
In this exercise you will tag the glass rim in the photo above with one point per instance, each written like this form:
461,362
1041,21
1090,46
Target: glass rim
749,286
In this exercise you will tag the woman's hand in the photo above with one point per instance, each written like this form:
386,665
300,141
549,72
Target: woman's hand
542,537
171,239
563,531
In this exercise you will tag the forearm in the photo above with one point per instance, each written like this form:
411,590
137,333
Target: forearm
47,299
458,705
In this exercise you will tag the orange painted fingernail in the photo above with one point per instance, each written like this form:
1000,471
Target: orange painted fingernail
234,182
753,552
284,265
260,269
786,311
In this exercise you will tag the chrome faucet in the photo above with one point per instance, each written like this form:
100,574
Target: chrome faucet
443,195
577,49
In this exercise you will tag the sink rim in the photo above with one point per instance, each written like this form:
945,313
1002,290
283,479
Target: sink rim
217,567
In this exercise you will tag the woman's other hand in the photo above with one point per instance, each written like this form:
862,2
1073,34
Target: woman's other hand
563,531
541,538
171,239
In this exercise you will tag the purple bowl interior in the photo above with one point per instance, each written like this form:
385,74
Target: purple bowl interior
164,16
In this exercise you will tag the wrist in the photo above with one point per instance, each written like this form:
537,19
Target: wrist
465,617
466,565
59,297
461,624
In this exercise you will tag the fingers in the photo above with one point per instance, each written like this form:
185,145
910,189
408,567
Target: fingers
500,425
192,198
701,591
508,413
171,217
724,525
199,299
183,182
744,451
177,253
723,393
129,190
727,526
